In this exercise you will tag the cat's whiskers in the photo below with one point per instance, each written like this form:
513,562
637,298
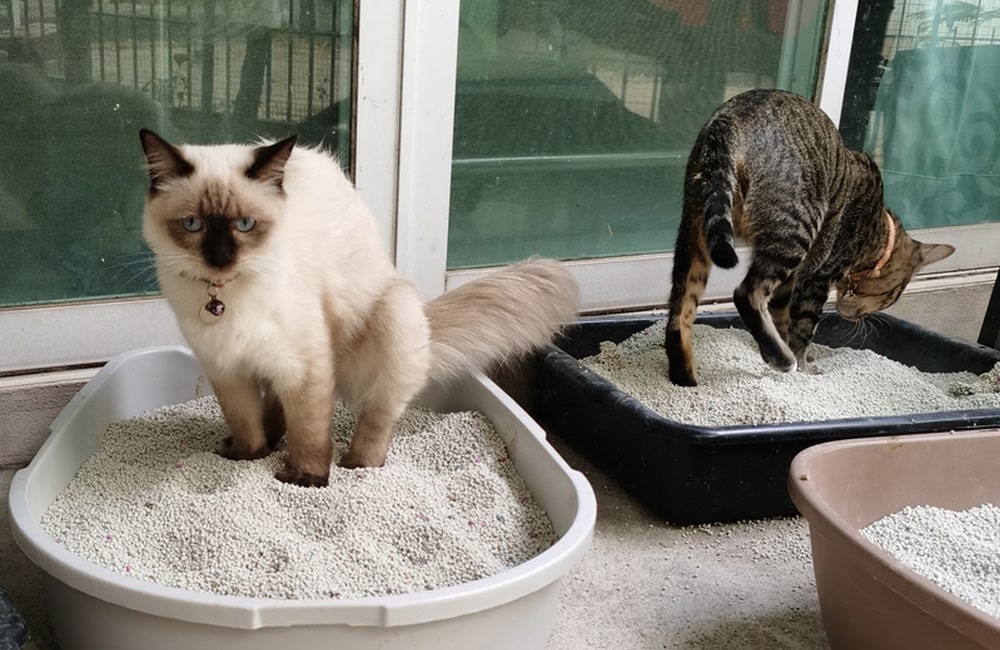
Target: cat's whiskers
865,328
255,265
860,332
854,334
877,320
138,270
847,335
207,278
174,262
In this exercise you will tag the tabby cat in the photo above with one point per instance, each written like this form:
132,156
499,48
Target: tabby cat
770,168
280,283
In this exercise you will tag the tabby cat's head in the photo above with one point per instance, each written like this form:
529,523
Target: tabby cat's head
861,294
210,208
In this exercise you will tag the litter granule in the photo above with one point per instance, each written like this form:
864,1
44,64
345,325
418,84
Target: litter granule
157,504
736,387
957,550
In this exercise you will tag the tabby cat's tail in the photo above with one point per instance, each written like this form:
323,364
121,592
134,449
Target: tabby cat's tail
719,180
502,316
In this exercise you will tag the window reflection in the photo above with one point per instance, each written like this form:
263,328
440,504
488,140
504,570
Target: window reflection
923,98
78,78
573,119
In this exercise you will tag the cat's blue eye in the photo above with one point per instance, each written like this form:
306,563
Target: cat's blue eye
245,224
191,224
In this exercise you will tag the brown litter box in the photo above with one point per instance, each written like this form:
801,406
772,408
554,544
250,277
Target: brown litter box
867,598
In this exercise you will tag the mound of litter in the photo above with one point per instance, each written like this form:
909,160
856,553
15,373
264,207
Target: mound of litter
958,550
157,504
736,387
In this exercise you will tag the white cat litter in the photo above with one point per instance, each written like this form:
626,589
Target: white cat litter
957,550
156,503
736,387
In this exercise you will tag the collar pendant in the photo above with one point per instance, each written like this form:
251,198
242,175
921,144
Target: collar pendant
213,310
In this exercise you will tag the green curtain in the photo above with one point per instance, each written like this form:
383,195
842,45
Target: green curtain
937,128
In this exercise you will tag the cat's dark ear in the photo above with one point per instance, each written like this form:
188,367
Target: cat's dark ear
164,161
930,253
269,162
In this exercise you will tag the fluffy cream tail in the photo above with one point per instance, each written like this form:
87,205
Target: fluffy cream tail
502,316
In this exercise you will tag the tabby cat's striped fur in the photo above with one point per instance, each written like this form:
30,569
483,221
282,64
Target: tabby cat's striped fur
771,169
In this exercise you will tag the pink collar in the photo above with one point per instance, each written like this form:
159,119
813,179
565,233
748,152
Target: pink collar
877,270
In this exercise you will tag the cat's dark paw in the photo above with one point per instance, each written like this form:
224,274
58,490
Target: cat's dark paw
273,438
783,364
682,377
303,479
231,449
680,364
355,460
776,355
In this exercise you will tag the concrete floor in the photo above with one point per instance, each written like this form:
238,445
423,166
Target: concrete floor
643,584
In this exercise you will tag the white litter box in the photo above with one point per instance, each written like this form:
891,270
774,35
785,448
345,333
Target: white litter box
93,608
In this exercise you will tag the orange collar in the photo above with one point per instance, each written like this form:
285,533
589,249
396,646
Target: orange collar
877,270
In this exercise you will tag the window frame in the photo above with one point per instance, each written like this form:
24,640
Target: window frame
35,338
610,284
405,74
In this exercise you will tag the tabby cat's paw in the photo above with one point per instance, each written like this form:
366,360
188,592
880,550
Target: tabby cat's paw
682,377
805,364
783,365
778,356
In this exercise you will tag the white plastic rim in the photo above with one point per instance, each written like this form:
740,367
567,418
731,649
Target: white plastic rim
123,376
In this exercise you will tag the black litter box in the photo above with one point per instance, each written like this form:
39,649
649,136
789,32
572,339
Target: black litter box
690,474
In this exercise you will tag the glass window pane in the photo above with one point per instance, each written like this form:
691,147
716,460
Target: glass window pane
923,97
573,119
79,78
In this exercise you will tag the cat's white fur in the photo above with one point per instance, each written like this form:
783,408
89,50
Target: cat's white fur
315,306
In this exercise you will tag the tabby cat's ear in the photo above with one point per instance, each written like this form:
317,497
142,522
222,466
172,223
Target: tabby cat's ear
269,162
164,160
930,253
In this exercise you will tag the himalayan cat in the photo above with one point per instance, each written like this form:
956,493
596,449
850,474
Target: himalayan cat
279,281
770,168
